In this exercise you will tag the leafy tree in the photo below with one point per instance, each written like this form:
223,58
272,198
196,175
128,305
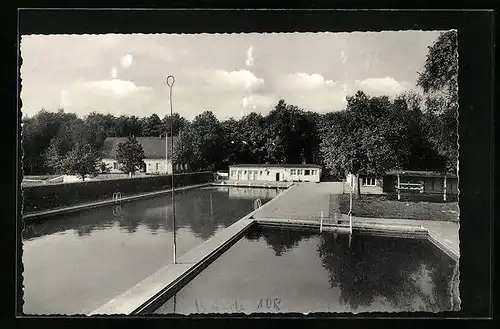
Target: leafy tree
283,131
231,142
98,127
205,136
439,81
184,152
152,126
104,169
130,155
310,135
127,126
410,141
37,134
252,139
176,121
82,160
356,140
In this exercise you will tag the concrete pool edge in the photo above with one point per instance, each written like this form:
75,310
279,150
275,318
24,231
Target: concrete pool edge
33,216
170,277
156,289
397,229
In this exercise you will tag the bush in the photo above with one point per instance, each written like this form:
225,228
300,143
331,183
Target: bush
43,197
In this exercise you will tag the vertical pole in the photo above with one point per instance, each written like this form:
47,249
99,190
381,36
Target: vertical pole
166,151
321,222
170,83
444,188
399,187
211,207
350,213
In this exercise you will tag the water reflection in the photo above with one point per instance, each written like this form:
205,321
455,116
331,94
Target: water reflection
398,270
297,271
246,193
76,262
201,210
278,239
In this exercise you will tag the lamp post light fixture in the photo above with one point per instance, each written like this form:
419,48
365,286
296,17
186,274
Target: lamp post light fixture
170,83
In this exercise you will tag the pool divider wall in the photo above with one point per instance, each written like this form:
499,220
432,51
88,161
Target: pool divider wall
168,292
151,292
30,217
50,196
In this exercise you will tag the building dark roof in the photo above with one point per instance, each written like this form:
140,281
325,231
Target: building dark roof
154,147
419,173
275,166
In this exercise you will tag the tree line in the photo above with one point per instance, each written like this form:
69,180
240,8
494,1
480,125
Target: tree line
413,131
47,136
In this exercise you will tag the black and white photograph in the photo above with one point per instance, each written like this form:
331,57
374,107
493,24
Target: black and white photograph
240,173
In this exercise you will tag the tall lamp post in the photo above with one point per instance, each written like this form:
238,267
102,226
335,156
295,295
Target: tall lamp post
170,84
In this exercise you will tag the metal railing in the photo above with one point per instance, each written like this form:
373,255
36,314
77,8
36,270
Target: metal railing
257,204
117,196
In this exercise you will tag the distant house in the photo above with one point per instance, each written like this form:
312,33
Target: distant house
275,172
155,161
425,182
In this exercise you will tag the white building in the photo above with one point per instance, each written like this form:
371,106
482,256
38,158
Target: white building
276,172
154,148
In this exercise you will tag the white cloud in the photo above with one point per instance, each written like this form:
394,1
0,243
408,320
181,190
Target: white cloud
235,79
330,83
138,86
382,86
303,81
115,86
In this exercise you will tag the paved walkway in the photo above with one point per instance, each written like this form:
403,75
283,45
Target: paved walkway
303,201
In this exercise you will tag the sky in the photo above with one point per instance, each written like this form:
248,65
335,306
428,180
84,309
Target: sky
229,74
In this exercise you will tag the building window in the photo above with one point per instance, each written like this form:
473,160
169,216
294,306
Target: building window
268,173
233,173
368,181
299,171
293,172
115,165
260,173
306,172
244,172
157,164
239,172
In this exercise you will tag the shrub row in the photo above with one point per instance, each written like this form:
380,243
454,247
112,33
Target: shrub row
43,197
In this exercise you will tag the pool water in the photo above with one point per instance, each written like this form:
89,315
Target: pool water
77,262
284,270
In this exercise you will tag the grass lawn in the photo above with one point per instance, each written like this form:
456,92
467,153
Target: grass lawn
379,206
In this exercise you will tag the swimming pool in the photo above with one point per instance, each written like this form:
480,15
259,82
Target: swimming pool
289,270
76,262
